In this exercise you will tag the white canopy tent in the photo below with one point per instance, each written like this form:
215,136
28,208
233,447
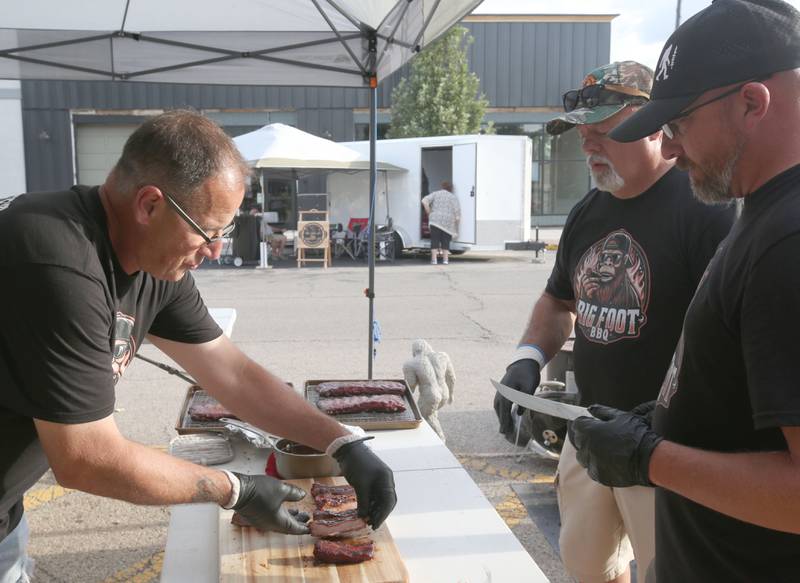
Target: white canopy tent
251,42
342,43
280,146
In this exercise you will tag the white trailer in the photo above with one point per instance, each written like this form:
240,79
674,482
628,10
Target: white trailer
491,176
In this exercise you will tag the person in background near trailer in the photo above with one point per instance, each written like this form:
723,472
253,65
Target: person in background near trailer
444,214
272,235
630,257
87,274
724,447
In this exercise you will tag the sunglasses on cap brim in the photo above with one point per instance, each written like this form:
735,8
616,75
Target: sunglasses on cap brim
593,96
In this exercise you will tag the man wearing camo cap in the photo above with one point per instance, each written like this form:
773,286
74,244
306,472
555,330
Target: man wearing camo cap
630,257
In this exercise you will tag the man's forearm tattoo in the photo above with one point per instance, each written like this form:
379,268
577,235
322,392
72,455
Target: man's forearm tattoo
207,491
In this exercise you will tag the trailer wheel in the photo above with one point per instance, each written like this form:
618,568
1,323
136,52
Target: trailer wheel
397,245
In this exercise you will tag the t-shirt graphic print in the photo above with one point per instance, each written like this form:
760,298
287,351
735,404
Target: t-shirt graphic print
612,289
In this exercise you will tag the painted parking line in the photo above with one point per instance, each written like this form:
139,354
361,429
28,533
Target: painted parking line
511,510
36,498
145,571
484,465
33,499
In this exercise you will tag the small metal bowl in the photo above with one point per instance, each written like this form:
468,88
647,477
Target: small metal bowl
294,460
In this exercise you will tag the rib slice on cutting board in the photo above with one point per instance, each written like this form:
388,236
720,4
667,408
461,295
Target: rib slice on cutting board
335,498
340,532
350,527
351,551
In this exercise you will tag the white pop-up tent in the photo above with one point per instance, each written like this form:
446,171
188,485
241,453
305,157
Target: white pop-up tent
284,147
343,43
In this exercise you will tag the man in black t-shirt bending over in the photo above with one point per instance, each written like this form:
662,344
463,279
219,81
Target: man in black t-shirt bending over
630,257
87,275
724,447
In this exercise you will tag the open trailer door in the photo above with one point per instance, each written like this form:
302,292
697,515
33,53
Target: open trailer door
464,183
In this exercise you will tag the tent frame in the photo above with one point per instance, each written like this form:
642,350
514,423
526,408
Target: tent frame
367,71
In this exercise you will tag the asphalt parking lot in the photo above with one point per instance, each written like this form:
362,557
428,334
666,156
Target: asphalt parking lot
312,323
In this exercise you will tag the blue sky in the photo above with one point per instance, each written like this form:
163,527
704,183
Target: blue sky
638,32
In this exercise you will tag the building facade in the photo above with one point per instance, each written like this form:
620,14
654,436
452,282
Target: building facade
73,131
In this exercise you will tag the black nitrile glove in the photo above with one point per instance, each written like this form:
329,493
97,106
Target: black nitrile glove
372,480
261,501
614,446
645,410
523,375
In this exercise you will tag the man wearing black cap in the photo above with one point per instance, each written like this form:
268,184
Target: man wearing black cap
724,447
629,260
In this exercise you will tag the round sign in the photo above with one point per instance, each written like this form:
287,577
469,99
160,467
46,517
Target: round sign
312,234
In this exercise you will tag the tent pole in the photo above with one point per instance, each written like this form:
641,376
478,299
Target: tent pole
373,184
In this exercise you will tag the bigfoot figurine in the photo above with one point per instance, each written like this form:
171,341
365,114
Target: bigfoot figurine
433,373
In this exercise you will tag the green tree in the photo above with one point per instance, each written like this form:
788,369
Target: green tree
440,96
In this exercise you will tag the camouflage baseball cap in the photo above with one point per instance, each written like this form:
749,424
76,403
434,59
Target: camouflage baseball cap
617,84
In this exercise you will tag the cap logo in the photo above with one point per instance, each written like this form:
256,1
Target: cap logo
667,62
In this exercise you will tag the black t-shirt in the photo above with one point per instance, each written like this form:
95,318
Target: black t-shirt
71,321
632,265
735,387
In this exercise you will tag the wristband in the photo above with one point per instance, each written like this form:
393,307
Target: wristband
530,351
236,486
344,440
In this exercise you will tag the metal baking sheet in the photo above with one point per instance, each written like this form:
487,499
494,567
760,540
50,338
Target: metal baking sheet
407,419
186,425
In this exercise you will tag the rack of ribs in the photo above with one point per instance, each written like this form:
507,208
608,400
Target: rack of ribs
209,412
351,388
362,404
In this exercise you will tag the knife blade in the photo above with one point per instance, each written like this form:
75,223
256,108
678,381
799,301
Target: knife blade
546,406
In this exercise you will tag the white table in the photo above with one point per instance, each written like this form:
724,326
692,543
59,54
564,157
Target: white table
225,319
444,527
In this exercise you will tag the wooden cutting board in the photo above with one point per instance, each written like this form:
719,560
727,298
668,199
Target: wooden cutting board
247,555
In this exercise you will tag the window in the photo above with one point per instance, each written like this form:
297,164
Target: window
362,131
559,175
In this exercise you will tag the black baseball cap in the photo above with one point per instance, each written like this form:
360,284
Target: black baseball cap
731,41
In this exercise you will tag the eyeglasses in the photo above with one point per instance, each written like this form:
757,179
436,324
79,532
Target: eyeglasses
226,232
596,95
671,129
612,257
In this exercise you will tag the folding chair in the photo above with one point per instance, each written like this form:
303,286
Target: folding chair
339,239
357,243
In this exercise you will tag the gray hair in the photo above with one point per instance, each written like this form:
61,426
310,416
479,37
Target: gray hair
178,151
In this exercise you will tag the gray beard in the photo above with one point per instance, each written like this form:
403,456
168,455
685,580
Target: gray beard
715,186
608,180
